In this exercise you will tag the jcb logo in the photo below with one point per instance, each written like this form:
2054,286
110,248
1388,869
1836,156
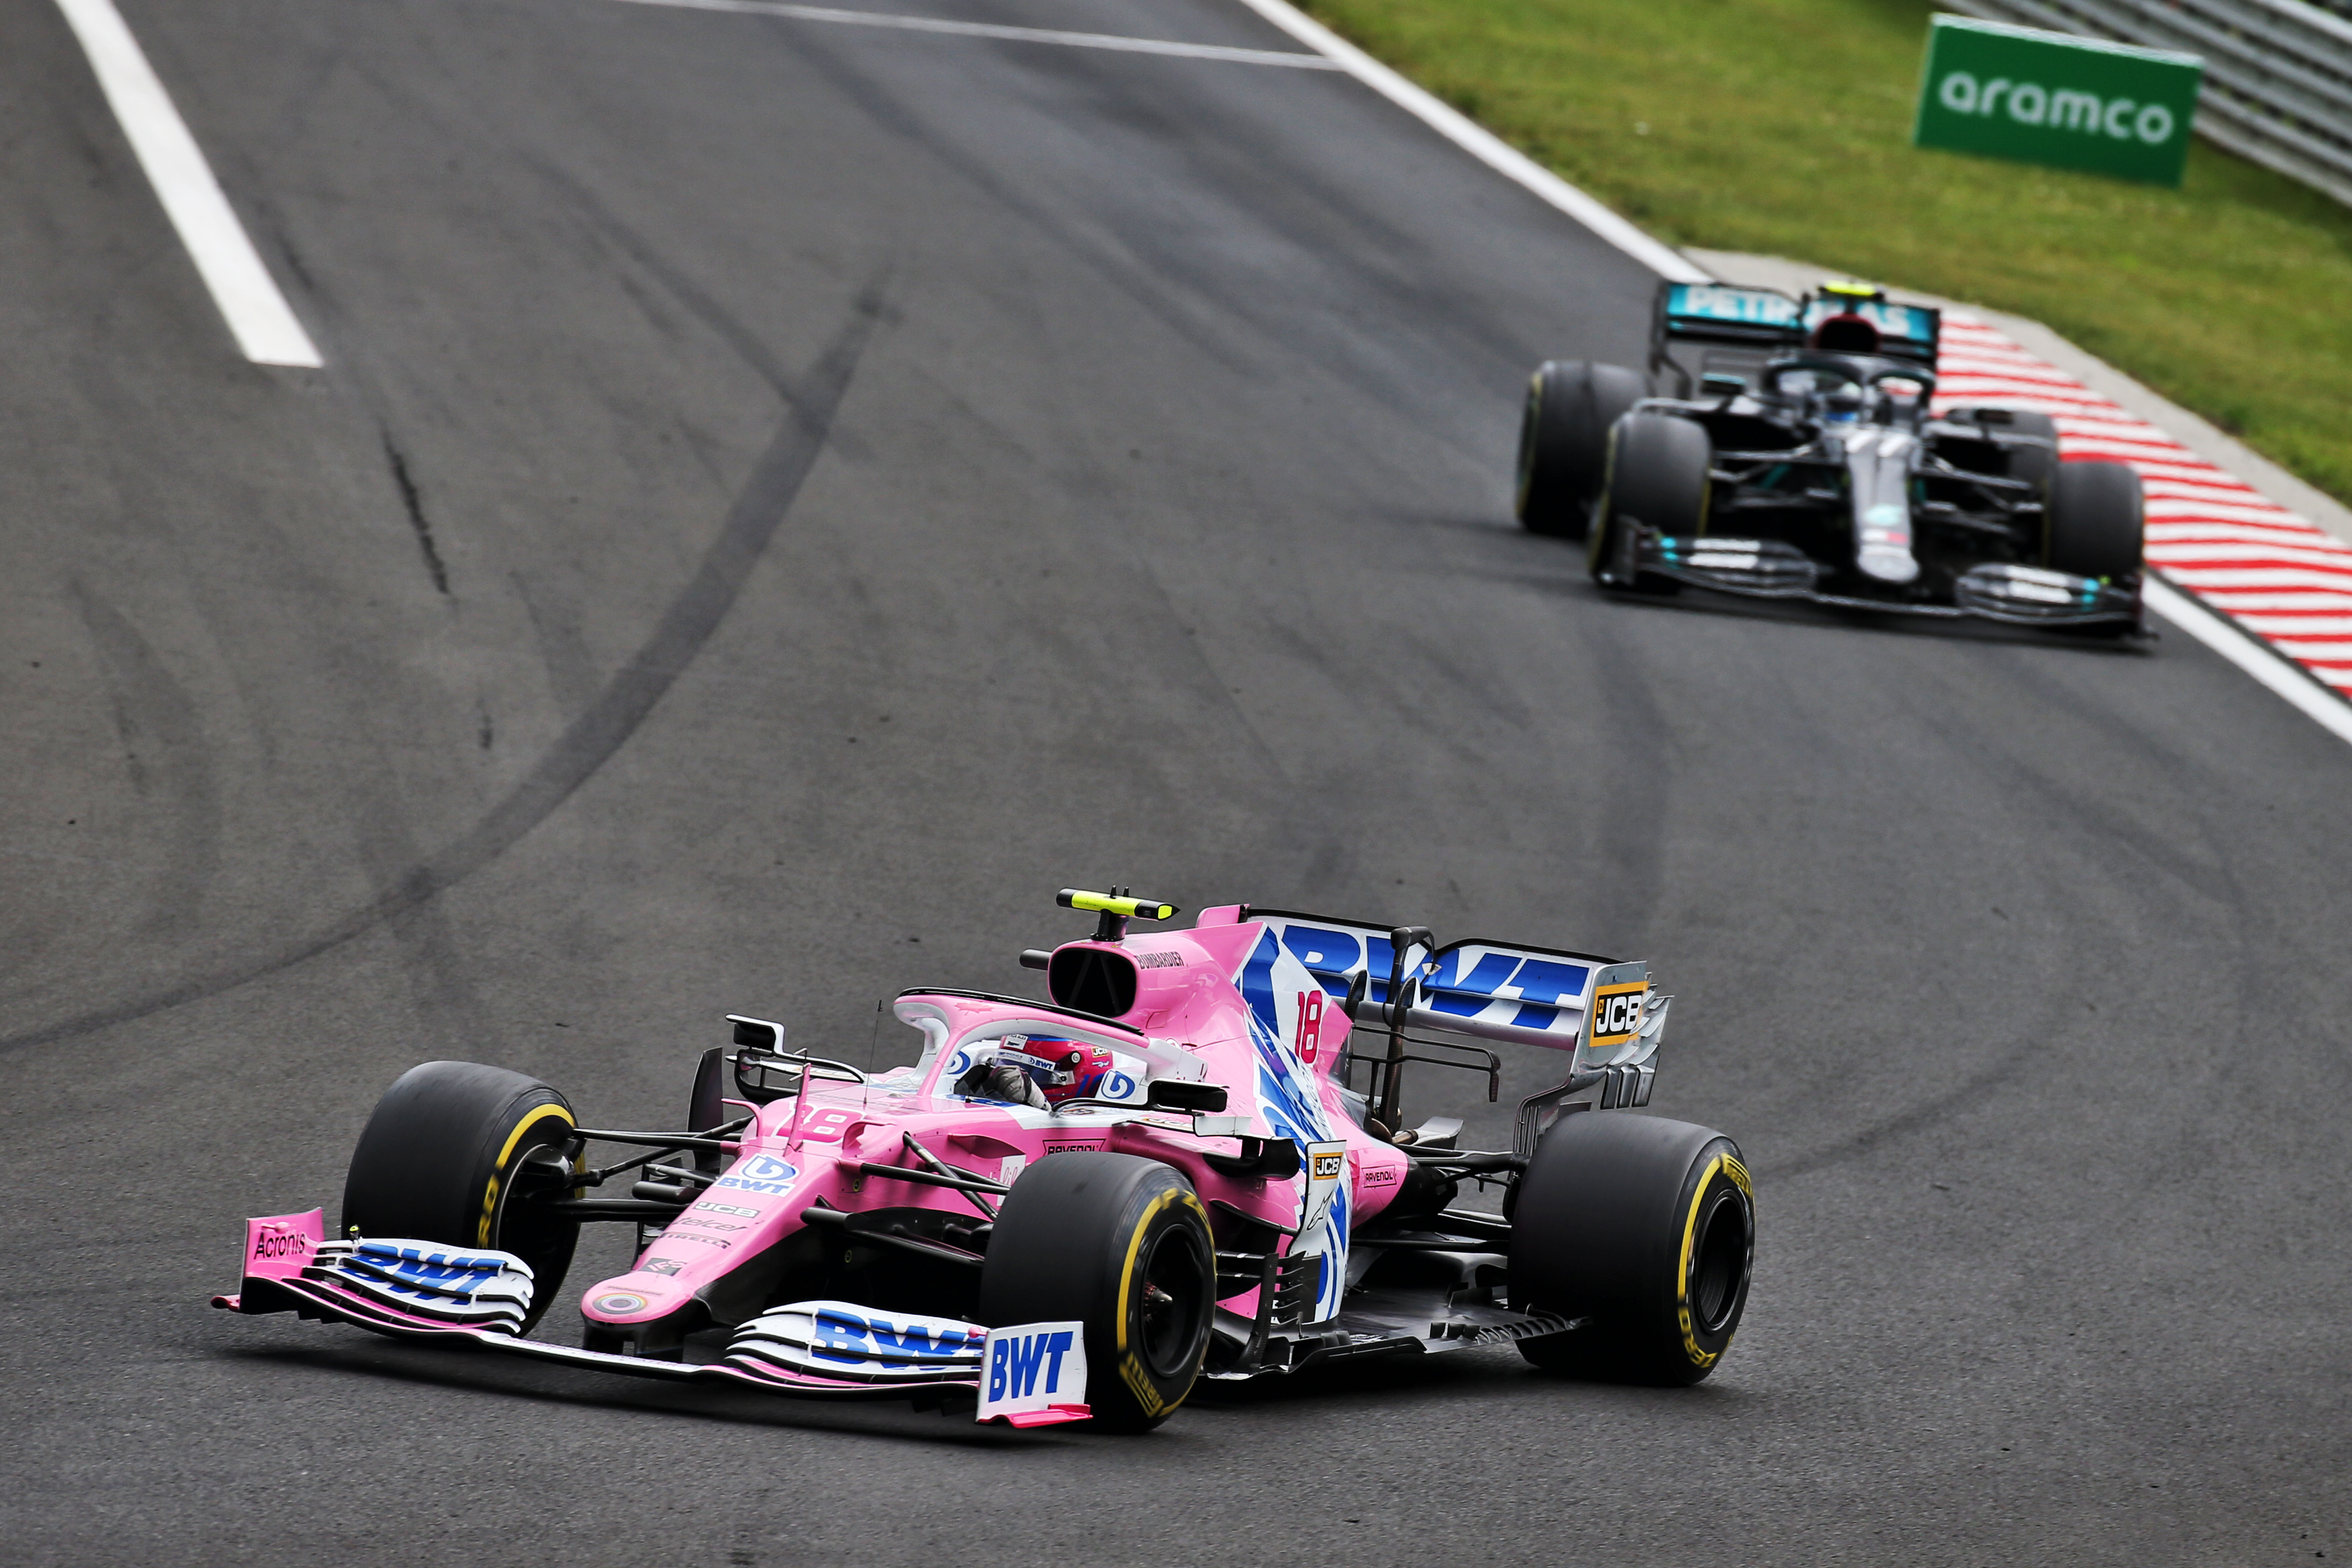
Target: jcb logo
1328,1166
1616,1013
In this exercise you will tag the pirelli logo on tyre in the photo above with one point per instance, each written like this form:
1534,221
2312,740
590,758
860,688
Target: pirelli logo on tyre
1616,1013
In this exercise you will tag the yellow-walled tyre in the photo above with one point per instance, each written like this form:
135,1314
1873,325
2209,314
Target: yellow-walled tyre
1644,1227
438,1162
1120,1244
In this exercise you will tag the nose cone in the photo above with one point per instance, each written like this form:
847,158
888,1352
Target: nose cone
1883,544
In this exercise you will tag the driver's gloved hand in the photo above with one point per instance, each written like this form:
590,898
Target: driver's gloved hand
1001,1080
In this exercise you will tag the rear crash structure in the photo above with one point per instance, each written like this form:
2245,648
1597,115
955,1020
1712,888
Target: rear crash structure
1191,1161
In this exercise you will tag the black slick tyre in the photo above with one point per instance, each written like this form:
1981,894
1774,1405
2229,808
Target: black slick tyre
440,1158
1646,1228
1658,478
2094,522
1564,441
2037,464
1120,1244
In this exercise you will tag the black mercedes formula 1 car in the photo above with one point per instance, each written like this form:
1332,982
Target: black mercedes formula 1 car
1803,460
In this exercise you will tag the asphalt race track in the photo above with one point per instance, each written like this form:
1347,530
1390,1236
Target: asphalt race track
783,498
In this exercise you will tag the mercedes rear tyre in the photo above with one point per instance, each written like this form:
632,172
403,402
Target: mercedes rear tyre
1120,1244
1564,441
2035,465
2094,523
1657,477
1645,1229
452,1155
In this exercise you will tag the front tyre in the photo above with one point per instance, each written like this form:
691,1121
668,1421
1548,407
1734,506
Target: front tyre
1645,1226
1120,1244
1659,474
1564,441
439,1162
2094,522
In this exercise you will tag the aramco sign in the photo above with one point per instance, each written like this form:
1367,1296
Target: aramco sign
2050,98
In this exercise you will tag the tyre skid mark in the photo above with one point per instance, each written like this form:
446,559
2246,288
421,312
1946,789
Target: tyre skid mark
165,749
600,731
412,501
2170,857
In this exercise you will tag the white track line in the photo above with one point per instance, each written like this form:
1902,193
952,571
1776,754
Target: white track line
2321,705
247,296
1481,143
1014,34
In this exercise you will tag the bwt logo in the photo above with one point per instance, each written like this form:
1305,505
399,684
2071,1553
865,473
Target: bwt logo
2029,103
762,1174
838,1336
1013,1364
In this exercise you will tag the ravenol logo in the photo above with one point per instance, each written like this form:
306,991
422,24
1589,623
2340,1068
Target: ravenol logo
1013,1364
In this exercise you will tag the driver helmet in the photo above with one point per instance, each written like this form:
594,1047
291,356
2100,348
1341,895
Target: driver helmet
1848,332
1054,1069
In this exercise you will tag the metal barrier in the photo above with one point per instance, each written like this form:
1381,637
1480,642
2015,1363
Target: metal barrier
2278,73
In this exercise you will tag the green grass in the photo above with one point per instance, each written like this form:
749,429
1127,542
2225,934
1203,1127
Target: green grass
1783,126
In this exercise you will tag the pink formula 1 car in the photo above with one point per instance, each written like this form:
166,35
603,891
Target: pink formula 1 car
1076,1210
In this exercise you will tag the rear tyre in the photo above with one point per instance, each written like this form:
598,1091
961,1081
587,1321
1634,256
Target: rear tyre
1564,441
1120,1244
1646,1227
2034,465
1657,477
2095,525
439,1160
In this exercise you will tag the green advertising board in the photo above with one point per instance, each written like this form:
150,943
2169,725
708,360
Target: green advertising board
2052,97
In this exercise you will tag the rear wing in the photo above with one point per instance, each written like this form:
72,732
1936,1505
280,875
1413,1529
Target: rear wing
1601,1010
1764,322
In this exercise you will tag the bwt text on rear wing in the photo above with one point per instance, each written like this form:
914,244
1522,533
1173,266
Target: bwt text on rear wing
1601,1010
